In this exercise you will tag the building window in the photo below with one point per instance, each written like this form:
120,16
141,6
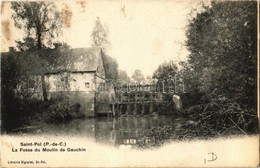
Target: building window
87,84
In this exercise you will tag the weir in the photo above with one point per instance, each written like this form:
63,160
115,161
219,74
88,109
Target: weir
142,100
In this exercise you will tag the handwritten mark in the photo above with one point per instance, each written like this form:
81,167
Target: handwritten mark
211,157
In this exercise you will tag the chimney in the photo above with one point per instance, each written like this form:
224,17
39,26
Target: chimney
11,49
57,46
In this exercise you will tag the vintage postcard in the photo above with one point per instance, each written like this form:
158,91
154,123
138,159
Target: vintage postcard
113,83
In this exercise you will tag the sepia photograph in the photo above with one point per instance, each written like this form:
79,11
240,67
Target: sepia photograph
107,83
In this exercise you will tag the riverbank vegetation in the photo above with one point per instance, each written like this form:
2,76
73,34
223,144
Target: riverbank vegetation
222,67
220,118
220,75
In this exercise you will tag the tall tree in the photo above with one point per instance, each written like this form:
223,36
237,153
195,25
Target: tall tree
165,71
138,76
222,44
110,66
123,77
100,35
149,79
166,76
100,39
40,20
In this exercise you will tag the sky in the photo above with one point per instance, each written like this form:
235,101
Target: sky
142,34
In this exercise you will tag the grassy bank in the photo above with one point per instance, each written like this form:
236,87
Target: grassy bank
219,118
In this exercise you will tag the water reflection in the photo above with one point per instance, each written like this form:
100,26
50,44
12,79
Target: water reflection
114,131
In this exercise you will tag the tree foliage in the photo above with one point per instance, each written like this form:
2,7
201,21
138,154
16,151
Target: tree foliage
100,35
20,83
110,66
222,45
27,44
165,71
123,77
41,22
138,76
100,39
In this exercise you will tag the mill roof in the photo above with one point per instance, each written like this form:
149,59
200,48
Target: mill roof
79,59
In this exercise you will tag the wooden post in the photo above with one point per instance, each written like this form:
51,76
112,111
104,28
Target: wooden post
151,107
143,105
164,107
127,105
135,105
128,111
120,96
143,108
158,107
113,110
120,109
116,111
135,108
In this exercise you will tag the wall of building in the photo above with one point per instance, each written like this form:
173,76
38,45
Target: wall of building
65,81
80,88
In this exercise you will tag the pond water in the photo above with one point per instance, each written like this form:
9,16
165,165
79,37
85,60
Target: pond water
112,131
